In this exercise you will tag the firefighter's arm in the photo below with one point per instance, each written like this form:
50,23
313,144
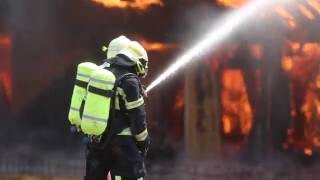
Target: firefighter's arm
134,103
137,118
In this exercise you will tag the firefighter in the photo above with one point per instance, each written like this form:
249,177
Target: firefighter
122,150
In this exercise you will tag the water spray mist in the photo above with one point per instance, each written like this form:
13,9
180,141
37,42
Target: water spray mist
223,29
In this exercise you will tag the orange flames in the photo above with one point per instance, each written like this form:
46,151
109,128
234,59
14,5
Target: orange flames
307,9
155,46
301,59
132,4
232,3
314,4
5,66
306,12
237,112
308,151
287,16
302,62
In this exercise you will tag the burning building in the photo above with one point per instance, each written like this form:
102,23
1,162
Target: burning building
260,92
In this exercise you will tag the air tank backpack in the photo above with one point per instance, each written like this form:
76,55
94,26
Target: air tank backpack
84,71
93,99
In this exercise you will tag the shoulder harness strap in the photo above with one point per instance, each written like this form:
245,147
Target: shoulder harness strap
111,132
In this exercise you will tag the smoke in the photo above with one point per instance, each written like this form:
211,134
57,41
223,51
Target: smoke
220,31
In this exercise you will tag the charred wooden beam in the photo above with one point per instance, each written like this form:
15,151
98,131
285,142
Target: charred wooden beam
202,113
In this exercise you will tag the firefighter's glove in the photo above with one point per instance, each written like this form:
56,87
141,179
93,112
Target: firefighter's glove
143,146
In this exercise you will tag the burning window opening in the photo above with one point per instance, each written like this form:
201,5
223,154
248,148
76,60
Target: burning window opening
302,62
134,4
237,113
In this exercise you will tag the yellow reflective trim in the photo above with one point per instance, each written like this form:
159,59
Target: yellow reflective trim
118,178
129,105
85,70
83,78
117,106
125,132
142,136
92,118
74,109
83,75
132,103
103,82
120,92
135,104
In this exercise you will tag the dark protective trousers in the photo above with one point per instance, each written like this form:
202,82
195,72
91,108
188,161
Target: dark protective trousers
121,157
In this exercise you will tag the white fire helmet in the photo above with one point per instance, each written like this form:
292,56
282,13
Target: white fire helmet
136,53
116,45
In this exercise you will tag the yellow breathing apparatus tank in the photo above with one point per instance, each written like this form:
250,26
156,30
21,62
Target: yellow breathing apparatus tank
98,102
84,72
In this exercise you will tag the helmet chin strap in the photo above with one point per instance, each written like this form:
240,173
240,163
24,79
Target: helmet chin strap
140,69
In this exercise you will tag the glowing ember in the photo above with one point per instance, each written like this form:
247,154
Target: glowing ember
287,63
232,3
237,113
227,128
134,4
308,151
